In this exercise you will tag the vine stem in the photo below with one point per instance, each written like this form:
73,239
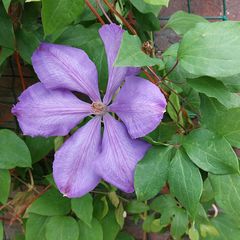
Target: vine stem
94,12
106,193
132,30
17,59
173,67
103,10
126,23
145,216
29,186
28,204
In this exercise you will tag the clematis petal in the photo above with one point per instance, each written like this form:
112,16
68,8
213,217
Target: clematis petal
140,105
111,35
44,112
59,66
119,155
74,163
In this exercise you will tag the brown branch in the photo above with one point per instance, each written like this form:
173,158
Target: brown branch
103,10
149,76
29,203
94,12
126,23
20,72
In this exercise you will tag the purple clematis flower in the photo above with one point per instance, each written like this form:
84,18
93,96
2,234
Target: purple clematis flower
50,109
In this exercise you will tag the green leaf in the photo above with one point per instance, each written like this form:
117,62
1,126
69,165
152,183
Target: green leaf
208,193
39,147
135,206
193,233
158,2
35,227
113,197
191,99
162,133
6,30
1,230
88,40
147,21
214,88
163,202
54,15
210,152
208,230
119,214
181,22
5,183
4,54
6,4
30,16
232,83
87,14
110,226
151,224
130,53
226,228
27,42
83,208
124,236
94,232
62,228
151,172
179,74
185,181
227,190
14,152
179,224
20,237
222,121
174,107
50,180
211,49
51,203
144,7
101,208
58,142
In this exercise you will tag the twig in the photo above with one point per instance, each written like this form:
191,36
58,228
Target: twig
94,12
174,66
103,11
145,216
126,23
29,186
20,72
106,193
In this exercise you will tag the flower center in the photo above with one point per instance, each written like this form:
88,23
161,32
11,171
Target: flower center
99,108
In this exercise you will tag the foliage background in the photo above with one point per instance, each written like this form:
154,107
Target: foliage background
107,207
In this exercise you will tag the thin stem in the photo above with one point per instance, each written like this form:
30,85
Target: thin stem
154,74
173,67
149,76
20,72
32,181
29,186
126,23
106,193
94,12
152,43
177,113
103,11
145,216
